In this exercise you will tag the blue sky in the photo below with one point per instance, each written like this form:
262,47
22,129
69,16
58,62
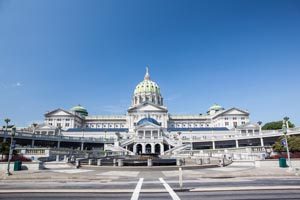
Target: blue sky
56,54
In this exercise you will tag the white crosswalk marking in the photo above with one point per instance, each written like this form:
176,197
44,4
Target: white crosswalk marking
169,189
136,193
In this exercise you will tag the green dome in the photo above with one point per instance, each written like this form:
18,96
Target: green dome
216,107
147,86
79,109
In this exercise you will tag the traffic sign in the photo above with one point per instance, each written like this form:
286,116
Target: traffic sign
283,142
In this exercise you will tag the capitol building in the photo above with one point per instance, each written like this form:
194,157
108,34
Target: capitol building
148,127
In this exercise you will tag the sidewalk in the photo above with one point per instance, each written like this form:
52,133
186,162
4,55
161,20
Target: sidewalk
86,174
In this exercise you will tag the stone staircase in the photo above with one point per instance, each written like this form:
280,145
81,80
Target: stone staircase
117,149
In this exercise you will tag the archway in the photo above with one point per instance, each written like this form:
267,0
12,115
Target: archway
148,148
157,148
139,149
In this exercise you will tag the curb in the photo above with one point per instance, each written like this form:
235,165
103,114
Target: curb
247,188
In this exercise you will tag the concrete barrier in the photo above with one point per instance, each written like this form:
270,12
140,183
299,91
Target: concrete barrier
199,161
178,162
99,162
77,164
120,162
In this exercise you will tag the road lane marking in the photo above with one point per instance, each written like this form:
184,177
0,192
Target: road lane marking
169,189
136,193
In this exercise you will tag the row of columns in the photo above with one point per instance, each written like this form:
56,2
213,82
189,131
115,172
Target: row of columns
135,150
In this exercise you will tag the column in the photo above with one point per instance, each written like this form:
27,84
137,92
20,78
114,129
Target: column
134,149
262,142
237,144
82,146
32,144
162,149
151,135
213,145
143,147
152,147
58,144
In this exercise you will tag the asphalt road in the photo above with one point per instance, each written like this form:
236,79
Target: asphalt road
227,195
153,184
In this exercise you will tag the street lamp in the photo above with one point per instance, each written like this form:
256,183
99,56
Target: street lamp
285,130
34,125
13,132
7,120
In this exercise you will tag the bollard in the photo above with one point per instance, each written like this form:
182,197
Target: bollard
77,164
57,158
180,178
114,162
90,161
65,158
221,164
149,163
199,161
99,162
120,162
178,162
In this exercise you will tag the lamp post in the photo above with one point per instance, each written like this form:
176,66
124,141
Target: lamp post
285,130
259,124
34,125
13,132
7,120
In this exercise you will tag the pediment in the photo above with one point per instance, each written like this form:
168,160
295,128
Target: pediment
59,112
148,125
148,107
235,111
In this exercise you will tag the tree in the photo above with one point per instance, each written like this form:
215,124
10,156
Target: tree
294,144
4,149
276,125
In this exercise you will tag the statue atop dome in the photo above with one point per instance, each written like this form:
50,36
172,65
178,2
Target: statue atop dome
147,75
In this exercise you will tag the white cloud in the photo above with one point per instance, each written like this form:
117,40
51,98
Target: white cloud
17,84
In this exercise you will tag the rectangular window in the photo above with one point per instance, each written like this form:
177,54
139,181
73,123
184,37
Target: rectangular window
243,122
67,124
242,118
234,118
226,118
235,124
226,123
67,119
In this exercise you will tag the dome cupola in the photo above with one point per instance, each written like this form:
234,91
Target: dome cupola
214,108
80,110
147,91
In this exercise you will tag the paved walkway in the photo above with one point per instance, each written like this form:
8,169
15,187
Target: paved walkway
123,174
